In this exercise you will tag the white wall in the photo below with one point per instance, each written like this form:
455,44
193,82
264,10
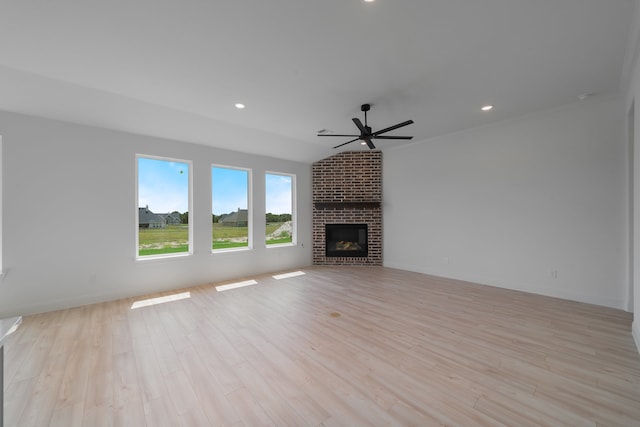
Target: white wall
631,78
517,203
634,204
69,217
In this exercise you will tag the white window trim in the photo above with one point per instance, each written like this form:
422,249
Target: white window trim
189,207
294,210
1,197
249,246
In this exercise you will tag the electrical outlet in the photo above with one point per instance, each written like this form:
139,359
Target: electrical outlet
553,274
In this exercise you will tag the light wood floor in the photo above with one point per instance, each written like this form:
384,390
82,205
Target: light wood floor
337,346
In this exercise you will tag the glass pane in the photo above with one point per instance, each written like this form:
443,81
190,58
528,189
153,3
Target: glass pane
163,204
279,206
230,208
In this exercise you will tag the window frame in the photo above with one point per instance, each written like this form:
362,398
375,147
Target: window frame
1,209
294,213
189,252
250,239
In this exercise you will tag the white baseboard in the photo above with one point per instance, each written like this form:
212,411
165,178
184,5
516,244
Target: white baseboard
635,331
533,288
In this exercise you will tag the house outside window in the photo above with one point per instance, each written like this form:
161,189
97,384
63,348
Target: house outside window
163,197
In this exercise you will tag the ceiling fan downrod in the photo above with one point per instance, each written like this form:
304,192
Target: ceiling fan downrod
365,108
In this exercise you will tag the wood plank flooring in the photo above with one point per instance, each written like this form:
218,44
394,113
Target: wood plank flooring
352,346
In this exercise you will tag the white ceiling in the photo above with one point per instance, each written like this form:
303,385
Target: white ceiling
175,69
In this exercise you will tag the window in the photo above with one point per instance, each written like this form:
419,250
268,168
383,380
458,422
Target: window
163,196
230,208
279,203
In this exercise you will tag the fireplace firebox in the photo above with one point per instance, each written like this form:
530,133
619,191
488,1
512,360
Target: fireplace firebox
346,240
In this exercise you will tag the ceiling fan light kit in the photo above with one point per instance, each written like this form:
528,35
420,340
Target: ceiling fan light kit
366,134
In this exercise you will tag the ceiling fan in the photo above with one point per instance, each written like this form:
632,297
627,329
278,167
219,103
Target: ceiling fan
366,135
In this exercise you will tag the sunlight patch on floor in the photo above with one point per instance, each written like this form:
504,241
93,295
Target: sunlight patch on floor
287,275
160,300
235,285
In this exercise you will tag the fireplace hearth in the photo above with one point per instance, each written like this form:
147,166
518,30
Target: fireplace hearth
346,240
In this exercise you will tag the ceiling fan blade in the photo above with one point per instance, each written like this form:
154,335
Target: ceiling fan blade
348,142
360,125
399,125
369,143
392,137
335,134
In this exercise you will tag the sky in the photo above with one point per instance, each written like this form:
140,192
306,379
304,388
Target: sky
229,189
164,187
278,193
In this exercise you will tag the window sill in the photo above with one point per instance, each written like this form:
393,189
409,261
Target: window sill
231,250
162,257
281,245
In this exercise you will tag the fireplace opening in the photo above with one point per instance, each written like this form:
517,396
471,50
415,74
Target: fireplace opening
346,240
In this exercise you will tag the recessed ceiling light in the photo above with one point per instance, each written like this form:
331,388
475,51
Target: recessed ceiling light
364,142
584,96
369,1
487,108
240,106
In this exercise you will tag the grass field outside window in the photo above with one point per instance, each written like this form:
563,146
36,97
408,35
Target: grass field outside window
175,238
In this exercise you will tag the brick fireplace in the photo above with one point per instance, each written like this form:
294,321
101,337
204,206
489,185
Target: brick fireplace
347,191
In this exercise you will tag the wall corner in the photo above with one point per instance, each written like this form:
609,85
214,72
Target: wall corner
635,331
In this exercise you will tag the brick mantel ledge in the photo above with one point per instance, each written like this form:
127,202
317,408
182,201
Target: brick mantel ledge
353,205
